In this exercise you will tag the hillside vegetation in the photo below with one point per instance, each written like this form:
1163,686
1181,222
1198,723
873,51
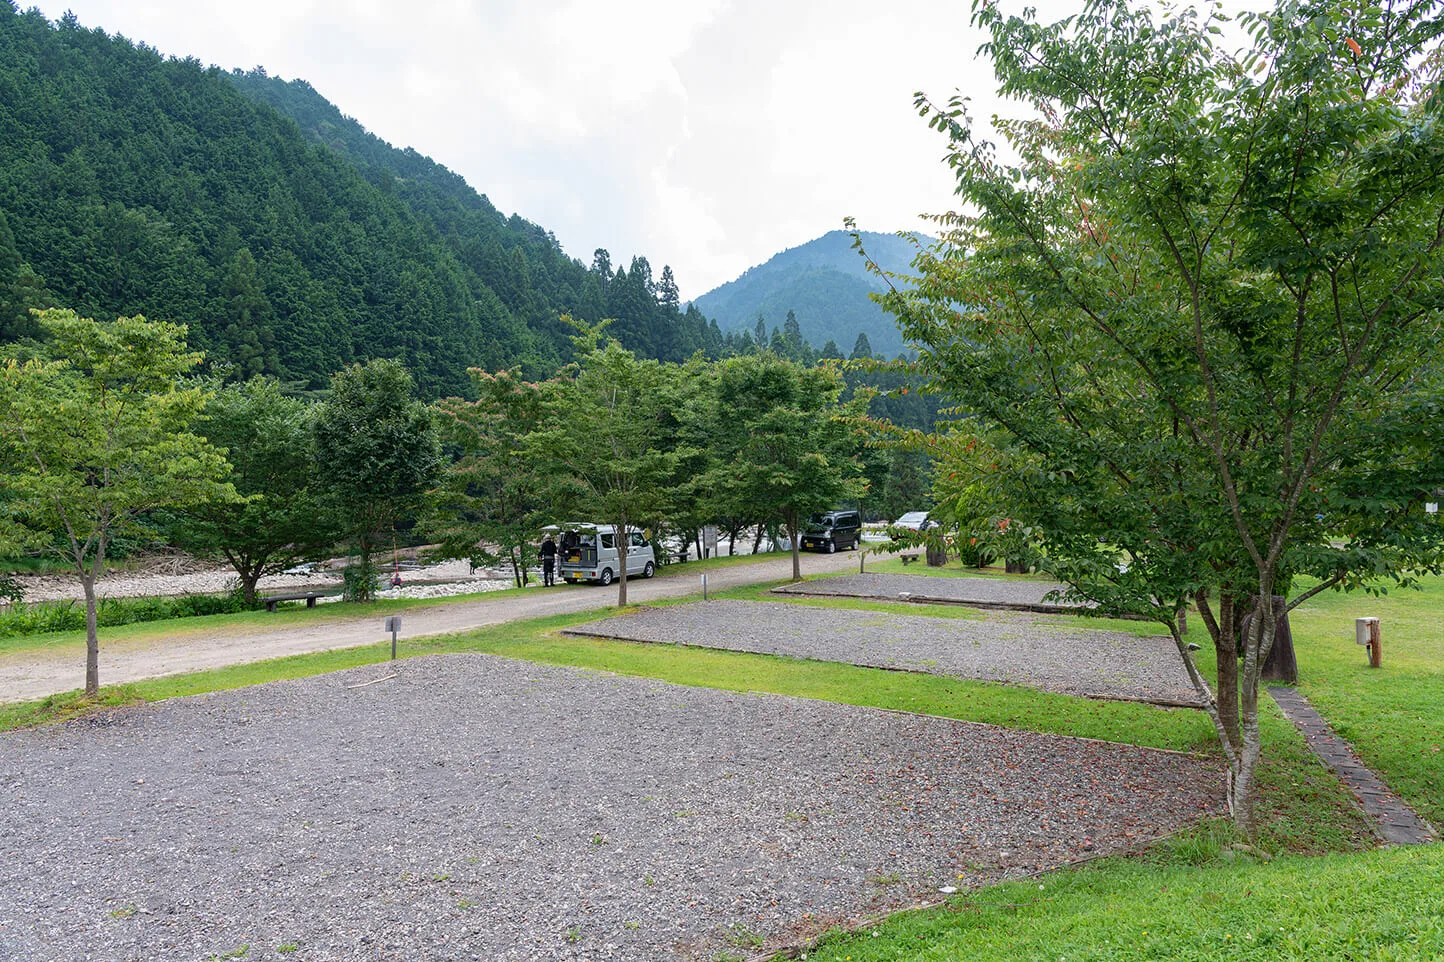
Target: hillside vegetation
135,184
825,283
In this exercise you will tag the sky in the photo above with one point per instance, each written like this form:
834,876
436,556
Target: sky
703,134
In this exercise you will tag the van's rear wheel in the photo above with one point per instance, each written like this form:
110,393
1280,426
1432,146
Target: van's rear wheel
650,570
606,577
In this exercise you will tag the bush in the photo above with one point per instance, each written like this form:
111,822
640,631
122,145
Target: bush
358,581
49,616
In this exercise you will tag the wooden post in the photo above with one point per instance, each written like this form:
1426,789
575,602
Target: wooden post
1368,632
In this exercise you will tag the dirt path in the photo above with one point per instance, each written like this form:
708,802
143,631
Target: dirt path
29,675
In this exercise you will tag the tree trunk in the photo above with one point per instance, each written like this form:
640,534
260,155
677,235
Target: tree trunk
250,576
92,639
1280,665
757,542
622,535
792,527
1241,796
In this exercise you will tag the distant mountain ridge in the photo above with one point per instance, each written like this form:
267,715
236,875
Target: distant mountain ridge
825,283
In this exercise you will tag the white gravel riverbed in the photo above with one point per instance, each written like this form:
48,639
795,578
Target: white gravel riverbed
442,579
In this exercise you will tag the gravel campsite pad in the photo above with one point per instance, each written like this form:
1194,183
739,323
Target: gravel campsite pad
983,592
479,808
1070,661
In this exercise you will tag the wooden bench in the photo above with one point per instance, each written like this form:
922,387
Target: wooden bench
908,557
308,596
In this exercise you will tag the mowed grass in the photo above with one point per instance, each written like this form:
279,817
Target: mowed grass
1380,906
1393,716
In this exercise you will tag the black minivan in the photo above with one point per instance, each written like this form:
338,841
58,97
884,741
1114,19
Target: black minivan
833,531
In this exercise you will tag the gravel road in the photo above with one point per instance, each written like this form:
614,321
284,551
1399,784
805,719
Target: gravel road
28,675
1072,661
984,592
479,808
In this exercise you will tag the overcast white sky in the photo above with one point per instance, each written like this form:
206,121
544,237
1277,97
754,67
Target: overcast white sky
704,134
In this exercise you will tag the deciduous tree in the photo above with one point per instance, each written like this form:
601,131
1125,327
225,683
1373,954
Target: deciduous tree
100,434
491,499
378,448
1204,302
602,434
283,520
784,449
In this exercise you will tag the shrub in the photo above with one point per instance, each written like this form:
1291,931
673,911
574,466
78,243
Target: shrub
50,616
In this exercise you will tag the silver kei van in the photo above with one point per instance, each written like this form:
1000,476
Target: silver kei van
588,552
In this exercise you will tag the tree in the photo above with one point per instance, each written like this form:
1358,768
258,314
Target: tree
378,448
489,502
783,448
98,435
1203,304
667,294
602,433
792,336
602,265
283,520
862,347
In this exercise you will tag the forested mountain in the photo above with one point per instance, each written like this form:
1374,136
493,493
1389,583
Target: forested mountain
825,284
517,259
135,184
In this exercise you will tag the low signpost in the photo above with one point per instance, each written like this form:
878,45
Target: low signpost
393,625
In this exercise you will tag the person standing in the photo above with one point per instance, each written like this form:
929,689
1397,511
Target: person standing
549,561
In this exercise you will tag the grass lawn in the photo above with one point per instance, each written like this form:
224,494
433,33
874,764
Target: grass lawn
1381,905
1392,716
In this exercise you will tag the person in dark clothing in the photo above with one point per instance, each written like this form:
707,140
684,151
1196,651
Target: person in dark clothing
549,561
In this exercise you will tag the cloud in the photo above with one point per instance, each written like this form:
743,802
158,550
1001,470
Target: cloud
706,135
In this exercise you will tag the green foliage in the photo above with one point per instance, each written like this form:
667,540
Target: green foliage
492,498
1208,337
604,422
98,435
380,452
294,241
284,520
52,616
781,446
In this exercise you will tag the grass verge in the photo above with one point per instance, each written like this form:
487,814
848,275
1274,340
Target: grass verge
1381,905
1393,716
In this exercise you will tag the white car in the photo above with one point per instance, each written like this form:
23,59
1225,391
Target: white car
914,521
588,552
